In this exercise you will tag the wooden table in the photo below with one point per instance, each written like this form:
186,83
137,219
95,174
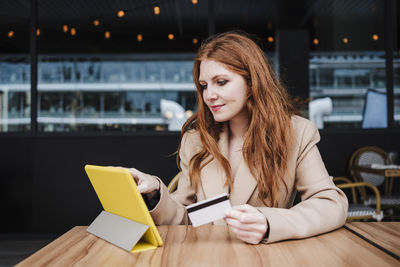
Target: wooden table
389,174
383,172
385,235
211,245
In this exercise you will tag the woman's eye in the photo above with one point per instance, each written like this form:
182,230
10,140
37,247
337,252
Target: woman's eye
203,86
222,82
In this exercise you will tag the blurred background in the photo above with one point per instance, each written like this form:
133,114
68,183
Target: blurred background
110,83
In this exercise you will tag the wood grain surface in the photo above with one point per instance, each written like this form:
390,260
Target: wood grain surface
385,234
211,245
384,172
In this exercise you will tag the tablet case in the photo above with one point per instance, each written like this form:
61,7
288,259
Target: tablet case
125,221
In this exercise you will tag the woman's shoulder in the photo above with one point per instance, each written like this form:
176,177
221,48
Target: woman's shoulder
304,129
300,123
191,138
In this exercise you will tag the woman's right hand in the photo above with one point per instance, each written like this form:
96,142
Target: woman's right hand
146,183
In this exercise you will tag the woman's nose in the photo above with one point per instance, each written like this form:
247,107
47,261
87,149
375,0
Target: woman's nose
210,94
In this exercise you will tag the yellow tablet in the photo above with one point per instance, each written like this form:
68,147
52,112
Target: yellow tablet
119,195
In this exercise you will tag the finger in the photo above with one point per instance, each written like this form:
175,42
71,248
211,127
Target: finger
256,227
234,214
250,237
143,188
246,218
137,175
135,172
244,208
232,222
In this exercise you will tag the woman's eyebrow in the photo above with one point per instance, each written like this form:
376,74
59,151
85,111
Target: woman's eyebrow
219,76
216,77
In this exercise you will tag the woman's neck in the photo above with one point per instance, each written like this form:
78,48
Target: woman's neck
238,127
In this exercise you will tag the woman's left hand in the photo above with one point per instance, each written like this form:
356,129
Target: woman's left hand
247,222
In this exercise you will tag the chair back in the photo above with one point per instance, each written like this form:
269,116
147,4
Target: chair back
365,156
375,110
173,184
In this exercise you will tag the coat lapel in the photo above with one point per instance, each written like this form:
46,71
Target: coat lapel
243,185
213,176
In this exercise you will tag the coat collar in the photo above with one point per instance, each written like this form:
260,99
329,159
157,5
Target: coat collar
213,176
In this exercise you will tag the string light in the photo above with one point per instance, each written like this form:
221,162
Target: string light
195,40
107,35
375,37
156,9
269,25
345,40
139,37
11,34
169,115
316,41
96,22
65,28
188,113
194,2
171,36
37,32
121,13
73,31
270,39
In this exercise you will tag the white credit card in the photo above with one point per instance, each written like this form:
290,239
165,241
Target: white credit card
209,210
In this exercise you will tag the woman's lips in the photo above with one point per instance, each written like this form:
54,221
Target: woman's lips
216,107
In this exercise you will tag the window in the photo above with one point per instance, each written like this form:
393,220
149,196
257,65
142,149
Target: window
347,58
79,93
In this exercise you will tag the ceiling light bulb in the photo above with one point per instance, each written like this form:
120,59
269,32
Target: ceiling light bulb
37,32
139,37
168,115
73,31
194,2
171,36
270,39
316,41
65,28
121,13
188,113
107,35
345,40
11,34
195,40
96,22
375,37
156,10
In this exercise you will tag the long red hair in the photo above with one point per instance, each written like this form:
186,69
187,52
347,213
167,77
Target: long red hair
267,143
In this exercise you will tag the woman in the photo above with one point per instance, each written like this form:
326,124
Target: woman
245,139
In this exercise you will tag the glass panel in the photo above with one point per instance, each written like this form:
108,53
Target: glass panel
15,68
347,59
99,73
92,81
84,94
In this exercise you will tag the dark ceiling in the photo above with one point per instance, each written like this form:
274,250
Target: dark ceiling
328,20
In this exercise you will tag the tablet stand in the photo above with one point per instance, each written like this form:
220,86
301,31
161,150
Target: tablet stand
117,230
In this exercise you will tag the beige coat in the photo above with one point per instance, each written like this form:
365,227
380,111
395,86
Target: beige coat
323,206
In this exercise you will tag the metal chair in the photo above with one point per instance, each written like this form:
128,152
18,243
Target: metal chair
375,110
173,184
360,211
365,156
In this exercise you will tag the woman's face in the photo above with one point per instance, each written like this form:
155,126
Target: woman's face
224,91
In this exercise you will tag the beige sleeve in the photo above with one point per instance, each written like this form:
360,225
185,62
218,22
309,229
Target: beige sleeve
171,207
323,206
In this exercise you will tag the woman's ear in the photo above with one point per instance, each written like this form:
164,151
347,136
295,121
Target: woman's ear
249,83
